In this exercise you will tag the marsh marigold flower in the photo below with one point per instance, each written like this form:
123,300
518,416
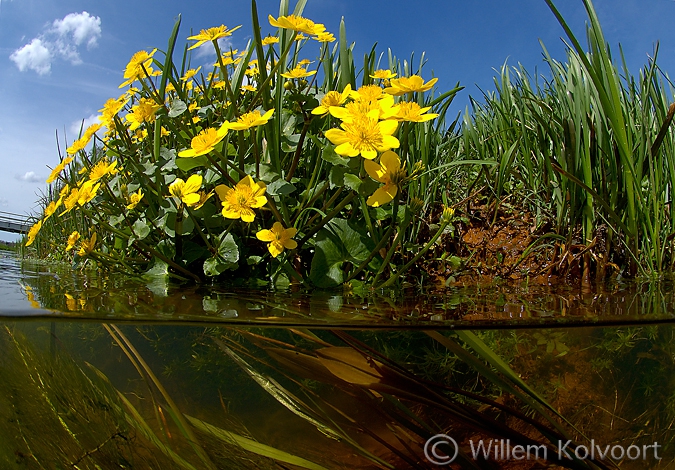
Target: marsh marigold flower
101,169
139,67
72,240
70,201
365,136
187,191
414,83
110,110
324,37
58,169
298,72
144,111
389,172
51,208
269,40
239,202
383,74
332,98
205,141
413,112
278,238
297,23
87,245
211,34
134,199
190,74
252,119
32,232
87,192
367,102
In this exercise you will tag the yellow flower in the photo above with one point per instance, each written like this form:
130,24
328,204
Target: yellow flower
110,110
298,72
77,145
332,98
389,172
186,191
368,93
245,88
31,298
144,111
32,232
239,202
325,37
252,119
446,216
414,83
364,135
139,67
383,74
58,169
134,199
270,40
72,240
203,197
297,23
278,238
190,74
369,100
205,141
92,129
51,208
101,169
87,246
87,192
70,201
413,113
211,34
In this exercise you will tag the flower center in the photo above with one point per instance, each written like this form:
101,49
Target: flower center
364,134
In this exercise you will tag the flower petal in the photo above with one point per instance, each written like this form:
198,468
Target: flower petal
375,171
382,195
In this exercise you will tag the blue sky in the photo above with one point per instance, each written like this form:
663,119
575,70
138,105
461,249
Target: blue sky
60,61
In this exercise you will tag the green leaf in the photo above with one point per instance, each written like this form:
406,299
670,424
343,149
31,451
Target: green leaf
337,176
114,220
192,252
228,249
215,266
176,108
337,243
187,164
352,181
280,188
367,187
141,229
330,156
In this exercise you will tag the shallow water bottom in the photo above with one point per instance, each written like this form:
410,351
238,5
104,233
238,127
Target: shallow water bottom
92,395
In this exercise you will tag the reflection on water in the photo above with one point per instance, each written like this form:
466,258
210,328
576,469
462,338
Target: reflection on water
38,290
321,389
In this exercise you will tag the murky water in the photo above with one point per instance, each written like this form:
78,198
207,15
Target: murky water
110,372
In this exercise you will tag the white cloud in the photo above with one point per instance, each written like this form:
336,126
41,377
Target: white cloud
75,126
30,177
207,50
60,40
74,30
33,56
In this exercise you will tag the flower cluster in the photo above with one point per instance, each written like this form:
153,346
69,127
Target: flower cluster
247,166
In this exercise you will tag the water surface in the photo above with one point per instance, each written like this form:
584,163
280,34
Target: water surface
103,371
